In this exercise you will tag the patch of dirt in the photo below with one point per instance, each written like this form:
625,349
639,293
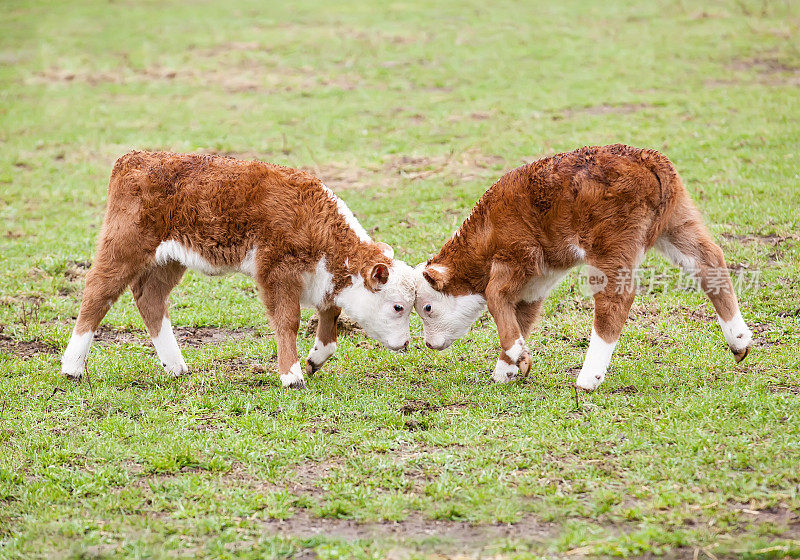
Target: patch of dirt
603,109
771,71
194,337
412,406
344,325
461,535
626,390
760,331
25,349
767,239
470,164
784,388
76,270
234,76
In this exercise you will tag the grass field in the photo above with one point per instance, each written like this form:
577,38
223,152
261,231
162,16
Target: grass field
409,111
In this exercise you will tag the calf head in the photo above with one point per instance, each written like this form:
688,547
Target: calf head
380,298
447,309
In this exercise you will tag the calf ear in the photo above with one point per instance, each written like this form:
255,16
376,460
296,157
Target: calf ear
385,249
436,277
378,276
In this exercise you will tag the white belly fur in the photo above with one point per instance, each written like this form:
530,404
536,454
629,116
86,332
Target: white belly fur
172,251
539,287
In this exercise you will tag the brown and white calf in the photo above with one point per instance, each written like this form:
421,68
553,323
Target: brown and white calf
603,206
169,212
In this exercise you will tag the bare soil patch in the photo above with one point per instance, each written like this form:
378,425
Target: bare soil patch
452,535
234,76
468,165
194,337
602,109
767,239
76,270
344,325
784,388
25,348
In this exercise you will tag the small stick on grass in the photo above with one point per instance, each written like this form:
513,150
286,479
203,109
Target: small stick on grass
56,389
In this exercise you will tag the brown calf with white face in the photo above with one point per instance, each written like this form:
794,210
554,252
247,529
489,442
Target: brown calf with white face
169,212
603,206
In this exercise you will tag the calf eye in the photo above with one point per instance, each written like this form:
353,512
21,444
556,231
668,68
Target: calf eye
427,308
398,308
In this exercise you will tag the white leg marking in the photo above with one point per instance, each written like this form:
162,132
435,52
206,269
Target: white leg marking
516,350
321,352
596,362
168,351
73,362
736,332
294,378
504,371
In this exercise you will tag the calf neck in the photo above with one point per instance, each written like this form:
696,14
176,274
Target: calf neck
603,206
169,212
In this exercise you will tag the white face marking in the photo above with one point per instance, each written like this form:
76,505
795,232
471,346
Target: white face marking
504,371
73,362
168,350
248,264
736,332
321,352
294,378
375,311
317,285
515,352
445,318
540,286
348,216
596,362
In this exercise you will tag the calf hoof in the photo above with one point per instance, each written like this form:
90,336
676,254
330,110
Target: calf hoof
73,375
589,382
177,370
293,379
312,368
524,364
740,355
300,384
504,372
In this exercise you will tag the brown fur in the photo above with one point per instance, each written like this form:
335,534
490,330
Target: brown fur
614,202
221,208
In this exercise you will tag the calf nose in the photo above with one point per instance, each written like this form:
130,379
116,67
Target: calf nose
428,344
405,346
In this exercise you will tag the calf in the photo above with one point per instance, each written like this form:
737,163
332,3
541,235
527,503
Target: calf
169,212
603,206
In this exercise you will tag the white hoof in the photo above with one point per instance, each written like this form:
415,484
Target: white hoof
72,373
177,369
294,379
589,381
503,372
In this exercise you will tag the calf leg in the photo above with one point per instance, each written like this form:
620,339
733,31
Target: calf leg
611,307
500,292
610,313
688,244
325,342
281,295
527,313
115,266
151,292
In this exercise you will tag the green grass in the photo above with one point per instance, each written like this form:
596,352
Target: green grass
410,111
